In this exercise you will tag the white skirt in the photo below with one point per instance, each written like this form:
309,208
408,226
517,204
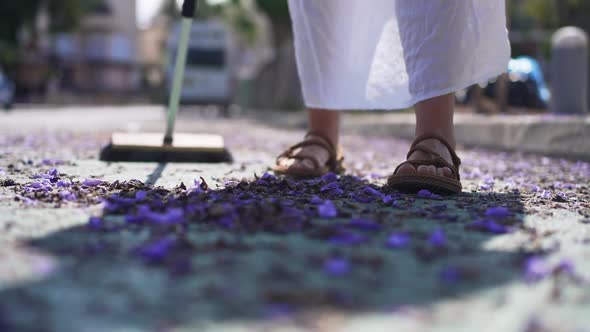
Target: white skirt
391,54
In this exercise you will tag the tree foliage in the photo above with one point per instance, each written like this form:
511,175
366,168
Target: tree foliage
64,15
552,14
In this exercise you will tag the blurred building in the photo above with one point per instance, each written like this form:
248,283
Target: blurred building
102,56
152,50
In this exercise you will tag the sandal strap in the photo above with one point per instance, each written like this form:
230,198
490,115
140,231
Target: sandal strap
419,139
320,140
437,162
323,137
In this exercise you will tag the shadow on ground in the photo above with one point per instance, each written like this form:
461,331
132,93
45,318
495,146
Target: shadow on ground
260,250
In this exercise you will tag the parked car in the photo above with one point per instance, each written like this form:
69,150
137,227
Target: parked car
209,77
6,91
527,87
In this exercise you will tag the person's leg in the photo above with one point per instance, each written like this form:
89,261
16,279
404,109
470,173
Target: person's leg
327,124
433,116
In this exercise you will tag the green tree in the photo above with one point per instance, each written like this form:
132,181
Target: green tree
552,14
64,15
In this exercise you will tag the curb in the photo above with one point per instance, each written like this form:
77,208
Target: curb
551,135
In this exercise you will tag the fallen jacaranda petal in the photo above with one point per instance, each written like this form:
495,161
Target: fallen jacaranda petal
53,172
225,221
67,195
278,311
424,193
330,177
95,223
535,269
140,195
388,199
372,192
450,275
52,162
545,194
364,224
327,209
398,240
437,238
92,182
332,189
488,225
566,267
498,212
170,216
336,267
427,194
261,182
35,185
347,238
62,184
157,250
268,177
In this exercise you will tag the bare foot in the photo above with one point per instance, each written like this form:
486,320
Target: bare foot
436,146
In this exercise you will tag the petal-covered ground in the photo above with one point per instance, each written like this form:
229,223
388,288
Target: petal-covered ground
91,246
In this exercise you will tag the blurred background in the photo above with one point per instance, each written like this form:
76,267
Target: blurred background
95,52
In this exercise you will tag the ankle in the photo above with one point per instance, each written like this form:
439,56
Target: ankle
446,135
326,123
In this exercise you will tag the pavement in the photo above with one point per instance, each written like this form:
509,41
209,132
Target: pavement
93,246
566,136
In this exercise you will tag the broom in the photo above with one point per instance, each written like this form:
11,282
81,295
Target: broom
170,147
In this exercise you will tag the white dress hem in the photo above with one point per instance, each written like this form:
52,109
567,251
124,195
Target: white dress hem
417,98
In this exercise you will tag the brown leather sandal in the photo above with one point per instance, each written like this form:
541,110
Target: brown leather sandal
334,164
434,183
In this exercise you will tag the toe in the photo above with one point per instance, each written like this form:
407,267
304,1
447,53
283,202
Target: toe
447,172
306,164
406,169
427,169
440,172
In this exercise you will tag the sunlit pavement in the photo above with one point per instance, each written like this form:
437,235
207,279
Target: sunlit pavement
511,253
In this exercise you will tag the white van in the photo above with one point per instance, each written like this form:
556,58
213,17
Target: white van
209,77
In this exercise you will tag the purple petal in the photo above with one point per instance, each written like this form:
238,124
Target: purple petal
316,200
268,177
35,185
327,209
364,224
95,223
488,225
545,194
437,238
62,184
424,193
157,250
67,195
427,194
347,238
336,267
450,275
398,240
535,269
92,182
388,199
330,177
332,189
372,191
52,162
565,266
278,310
140,195
53,172
498,212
